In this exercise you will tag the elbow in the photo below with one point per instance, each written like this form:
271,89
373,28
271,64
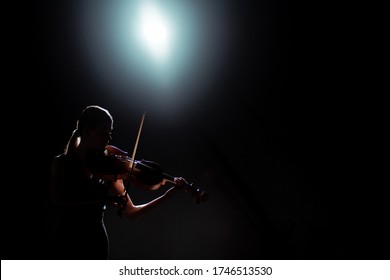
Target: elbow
132,213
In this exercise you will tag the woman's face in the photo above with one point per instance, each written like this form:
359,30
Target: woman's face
99,137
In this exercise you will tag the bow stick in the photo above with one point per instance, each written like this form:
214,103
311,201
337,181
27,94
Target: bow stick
132,165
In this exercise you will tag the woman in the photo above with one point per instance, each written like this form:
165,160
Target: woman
81,197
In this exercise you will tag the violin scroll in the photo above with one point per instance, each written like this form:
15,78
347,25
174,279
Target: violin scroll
153,172
199,194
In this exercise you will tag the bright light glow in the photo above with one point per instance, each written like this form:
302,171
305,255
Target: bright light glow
152,54
155,31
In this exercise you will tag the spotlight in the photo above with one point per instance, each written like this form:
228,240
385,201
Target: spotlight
155,32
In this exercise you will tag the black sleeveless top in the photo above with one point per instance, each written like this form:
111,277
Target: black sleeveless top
79,232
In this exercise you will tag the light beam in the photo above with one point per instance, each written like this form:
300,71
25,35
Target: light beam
155,32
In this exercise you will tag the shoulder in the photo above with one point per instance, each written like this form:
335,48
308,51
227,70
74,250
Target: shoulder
57,161
59,158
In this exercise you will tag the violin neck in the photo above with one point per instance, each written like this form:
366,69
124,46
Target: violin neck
168,177
199,194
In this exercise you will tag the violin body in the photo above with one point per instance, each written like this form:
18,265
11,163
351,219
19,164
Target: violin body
115,164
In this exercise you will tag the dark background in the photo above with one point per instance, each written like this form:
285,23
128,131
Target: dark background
286,152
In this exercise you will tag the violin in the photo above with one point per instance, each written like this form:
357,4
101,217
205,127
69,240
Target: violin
115,164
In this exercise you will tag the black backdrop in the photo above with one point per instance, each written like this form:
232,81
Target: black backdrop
277,151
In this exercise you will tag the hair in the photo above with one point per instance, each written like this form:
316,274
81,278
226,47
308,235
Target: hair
92,116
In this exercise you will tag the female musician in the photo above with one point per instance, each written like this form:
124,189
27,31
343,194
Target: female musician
81,197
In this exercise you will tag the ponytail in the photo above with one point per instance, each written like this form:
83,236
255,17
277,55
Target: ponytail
73,142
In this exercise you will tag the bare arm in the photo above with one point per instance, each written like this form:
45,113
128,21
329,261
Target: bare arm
131,210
